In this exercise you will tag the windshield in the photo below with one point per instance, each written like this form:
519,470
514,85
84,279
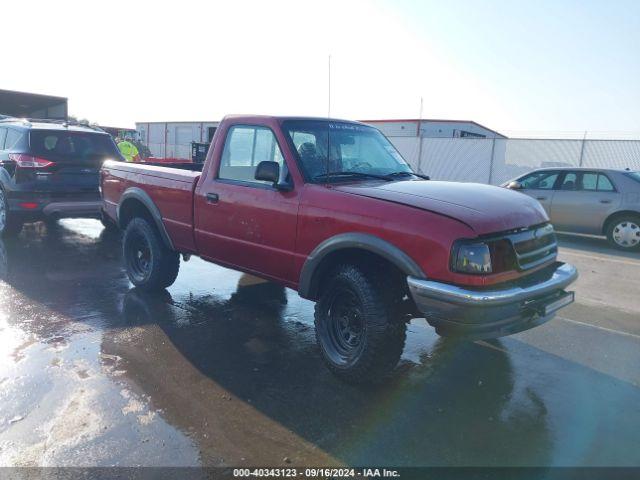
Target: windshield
344,150
70,145
634,175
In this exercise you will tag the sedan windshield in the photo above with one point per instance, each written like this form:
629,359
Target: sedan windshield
337,151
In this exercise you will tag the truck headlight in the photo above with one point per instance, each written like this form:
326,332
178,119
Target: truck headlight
471,258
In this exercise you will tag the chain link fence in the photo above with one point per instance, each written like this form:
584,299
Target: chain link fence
494,161
482,160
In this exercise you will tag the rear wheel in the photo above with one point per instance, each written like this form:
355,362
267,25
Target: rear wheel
150,264
623,232
360,337
8,225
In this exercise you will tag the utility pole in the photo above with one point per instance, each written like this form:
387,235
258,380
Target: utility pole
419,135
584,138
420,117
493,151
329,90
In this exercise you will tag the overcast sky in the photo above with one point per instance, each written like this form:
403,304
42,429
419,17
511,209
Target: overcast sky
512,65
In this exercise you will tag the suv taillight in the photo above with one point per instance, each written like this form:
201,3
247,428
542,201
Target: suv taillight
29,161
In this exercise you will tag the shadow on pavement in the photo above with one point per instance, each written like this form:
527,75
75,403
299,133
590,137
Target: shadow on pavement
448,410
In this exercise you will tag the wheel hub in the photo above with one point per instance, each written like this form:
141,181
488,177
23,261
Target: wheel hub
349,327
345,326
626,234
140,256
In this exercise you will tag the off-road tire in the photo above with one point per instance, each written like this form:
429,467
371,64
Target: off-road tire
151,266
615,222
383,331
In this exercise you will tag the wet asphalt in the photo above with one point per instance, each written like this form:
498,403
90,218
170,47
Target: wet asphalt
222,369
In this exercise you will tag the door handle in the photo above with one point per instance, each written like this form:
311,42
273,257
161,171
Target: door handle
605,201
212,198
541,198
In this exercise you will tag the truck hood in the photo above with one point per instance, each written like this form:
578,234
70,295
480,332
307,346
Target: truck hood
486,209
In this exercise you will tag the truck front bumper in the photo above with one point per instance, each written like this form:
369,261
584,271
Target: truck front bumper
492,313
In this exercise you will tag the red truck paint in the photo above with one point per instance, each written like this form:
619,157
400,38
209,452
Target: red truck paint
278,234
271,233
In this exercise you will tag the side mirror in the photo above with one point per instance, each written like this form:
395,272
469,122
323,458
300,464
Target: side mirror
268,172
514,185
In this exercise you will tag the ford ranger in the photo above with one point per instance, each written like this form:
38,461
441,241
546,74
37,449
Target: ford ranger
330,209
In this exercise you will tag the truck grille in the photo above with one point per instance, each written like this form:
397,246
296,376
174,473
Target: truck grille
534,247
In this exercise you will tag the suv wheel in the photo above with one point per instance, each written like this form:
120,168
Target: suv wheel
360,338
8,225
150,264
623,232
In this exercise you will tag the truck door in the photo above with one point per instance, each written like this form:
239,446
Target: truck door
242,222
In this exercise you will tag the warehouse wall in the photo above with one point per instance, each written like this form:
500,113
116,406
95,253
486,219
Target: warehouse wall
495,161
173,139
430,128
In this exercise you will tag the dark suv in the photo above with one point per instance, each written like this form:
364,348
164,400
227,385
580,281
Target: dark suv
49,170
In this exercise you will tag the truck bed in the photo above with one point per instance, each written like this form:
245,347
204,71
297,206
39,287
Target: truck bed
170,188
195,167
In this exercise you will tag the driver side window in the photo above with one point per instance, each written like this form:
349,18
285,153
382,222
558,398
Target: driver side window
570,181
539,180
245,147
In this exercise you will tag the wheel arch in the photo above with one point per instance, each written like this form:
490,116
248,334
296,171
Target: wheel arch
135,202
351,247
614,215
5,179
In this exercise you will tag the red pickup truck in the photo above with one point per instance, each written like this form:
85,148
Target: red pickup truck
329,208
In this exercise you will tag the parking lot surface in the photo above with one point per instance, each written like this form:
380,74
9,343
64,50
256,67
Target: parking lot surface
222,369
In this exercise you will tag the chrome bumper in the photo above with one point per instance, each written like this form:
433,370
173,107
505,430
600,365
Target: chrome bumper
529,302
563,276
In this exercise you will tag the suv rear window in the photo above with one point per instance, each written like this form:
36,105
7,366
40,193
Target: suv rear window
72,145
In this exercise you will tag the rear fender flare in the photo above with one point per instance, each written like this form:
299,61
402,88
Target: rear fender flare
144,198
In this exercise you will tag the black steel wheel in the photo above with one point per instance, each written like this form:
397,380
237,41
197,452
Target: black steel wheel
150,264
345,326
359,336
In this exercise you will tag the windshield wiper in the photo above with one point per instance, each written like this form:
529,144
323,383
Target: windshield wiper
347,173
404,174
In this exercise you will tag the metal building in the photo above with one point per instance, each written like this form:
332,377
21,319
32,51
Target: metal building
32,105
174,139
431,128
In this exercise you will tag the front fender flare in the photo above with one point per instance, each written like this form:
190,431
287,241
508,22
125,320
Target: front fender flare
308,284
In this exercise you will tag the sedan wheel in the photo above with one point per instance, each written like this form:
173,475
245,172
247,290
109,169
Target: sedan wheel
625,233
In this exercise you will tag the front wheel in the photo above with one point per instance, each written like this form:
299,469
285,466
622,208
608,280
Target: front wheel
151,266
360,337
623,232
